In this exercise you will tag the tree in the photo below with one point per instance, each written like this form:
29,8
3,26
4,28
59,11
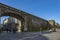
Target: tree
57,25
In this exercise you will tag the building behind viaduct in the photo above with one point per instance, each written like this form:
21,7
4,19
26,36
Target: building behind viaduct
28,22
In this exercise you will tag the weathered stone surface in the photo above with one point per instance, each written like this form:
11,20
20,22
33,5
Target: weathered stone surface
28,22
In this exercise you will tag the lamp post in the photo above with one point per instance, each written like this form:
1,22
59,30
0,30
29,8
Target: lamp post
0,20
0,16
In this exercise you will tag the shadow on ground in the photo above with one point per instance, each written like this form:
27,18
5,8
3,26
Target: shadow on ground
22,36
47,32
39,37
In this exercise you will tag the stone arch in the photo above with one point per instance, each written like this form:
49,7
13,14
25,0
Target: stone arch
15,15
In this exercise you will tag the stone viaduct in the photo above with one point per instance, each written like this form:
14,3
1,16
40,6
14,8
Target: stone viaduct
28,22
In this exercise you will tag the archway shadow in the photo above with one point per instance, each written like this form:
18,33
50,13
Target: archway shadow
22,36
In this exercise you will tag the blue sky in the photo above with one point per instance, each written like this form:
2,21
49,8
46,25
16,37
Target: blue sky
46,9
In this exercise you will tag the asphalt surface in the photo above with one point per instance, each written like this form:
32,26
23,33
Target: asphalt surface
46,35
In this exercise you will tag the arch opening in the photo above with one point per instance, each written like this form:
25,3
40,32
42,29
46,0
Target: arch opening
17,17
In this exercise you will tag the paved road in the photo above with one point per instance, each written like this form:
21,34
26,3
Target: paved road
54,35
31,35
